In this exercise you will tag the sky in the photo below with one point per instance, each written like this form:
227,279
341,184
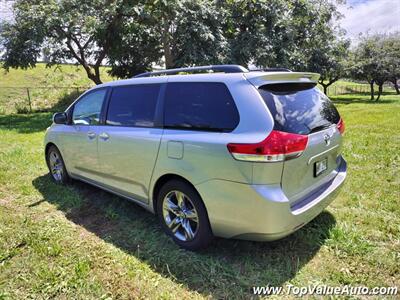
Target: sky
370,16
5,10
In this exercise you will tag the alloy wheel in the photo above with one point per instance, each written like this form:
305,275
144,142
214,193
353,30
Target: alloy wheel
56,166
180,215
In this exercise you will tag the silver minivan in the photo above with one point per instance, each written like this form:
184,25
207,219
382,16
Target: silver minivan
229,153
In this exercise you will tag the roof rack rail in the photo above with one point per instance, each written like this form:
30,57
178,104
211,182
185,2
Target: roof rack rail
278,69
215,68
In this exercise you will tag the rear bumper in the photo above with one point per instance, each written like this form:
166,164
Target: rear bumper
263,212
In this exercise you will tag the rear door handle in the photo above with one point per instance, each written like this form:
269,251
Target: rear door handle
104,136
91,135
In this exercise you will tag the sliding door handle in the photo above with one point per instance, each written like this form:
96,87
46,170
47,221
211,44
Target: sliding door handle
104,136
91,135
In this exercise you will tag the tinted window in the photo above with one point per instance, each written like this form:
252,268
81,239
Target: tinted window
200,106
302,111
133,105
87,109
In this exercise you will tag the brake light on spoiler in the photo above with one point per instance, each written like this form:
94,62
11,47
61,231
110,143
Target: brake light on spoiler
278,146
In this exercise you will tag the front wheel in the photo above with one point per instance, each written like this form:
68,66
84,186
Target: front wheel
56,165
183,216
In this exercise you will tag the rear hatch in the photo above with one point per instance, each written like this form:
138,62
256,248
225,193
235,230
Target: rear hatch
298,107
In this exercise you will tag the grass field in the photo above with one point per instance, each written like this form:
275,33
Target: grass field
79,242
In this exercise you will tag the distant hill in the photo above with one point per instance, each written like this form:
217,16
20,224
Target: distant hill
47,86
41,76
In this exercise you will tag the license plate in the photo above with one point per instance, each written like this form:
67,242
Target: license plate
320,167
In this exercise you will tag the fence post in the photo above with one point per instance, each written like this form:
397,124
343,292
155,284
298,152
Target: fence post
29,100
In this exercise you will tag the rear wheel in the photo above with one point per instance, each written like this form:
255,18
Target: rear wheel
56,165
183,216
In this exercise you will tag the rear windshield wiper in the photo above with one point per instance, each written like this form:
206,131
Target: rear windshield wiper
319,128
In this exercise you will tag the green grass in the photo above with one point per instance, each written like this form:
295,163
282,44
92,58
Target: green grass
79,242
47,87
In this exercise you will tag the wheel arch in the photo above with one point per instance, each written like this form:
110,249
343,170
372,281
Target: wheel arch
163,180
47,147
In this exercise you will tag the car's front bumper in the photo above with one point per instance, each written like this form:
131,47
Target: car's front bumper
263,212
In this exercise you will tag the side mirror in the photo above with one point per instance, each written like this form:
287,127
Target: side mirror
60,118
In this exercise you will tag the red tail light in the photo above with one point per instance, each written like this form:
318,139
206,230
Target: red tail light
278,146
340,126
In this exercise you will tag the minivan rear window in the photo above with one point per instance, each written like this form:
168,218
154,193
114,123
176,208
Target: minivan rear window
298,109
206,106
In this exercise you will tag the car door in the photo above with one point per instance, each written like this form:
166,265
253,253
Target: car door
80,143
130,138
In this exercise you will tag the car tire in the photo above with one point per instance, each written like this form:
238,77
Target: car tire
56,166
183,216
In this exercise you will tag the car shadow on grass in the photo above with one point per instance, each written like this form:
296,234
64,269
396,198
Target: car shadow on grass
227,269
40,118
363,99
26,123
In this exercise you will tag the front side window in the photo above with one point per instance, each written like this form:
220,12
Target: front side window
87,110
133,105
206,106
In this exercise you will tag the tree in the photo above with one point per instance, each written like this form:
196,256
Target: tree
254,30
277,32
329,60
132,36
184,33
391,48
136,45
195,35
362,66
84,31
376,59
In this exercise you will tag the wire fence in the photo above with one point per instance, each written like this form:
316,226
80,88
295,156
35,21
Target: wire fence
16,99
337,90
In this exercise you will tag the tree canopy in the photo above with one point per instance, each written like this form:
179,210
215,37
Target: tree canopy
85,31
376,59
134,36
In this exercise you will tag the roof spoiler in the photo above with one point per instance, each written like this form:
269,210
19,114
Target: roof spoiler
260,78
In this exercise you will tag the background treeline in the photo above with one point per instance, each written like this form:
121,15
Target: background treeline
134,36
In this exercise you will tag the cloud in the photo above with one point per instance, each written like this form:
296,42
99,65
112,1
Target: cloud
370,16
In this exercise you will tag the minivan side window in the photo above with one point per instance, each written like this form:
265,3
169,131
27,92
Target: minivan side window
133,105
206,106
87,110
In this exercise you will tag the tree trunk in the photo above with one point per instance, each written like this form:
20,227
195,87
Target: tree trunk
325,89
396,86
371,84
169,60
326,85
380,89
95,77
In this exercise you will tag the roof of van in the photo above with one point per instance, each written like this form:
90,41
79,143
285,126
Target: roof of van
256,78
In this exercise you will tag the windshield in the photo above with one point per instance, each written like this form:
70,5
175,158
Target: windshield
302,111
